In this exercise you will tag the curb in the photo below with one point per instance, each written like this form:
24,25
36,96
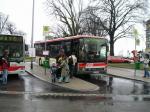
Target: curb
128,78
96,89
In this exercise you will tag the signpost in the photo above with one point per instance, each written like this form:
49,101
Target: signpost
45,52
45,30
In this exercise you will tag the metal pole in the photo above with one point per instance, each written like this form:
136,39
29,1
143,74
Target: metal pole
135,33
135,58
32,33
45,55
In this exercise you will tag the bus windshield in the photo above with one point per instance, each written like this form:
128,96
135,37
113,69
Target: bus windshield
92,50
15,50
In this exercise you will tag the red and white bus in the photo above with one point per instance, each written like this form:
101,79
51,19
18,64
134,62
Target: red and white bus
91,52
15,46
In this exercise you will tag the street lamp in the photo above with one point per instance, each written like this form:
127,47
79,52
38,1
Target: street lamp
32,33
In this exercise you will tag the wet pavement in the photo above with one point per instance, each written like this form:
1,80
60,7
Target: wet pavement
31,103
121,86
115,86
27,93
29,83
86,86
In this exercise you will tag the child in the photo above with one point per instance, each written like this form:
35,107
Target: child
53,71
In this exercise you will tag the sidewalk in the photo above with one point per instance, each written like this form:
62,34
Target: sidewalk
74,84
128,73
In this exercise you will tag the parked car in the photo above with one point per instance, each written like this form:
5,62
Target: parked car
118,59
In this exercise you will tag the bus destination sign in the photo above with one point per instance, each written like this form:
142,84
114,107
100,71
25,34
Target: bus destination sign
7,38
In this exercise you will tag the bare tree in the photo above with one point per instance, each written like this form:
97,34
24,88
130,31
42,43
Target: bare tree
10,28
91,25
7,27
69,13
3,21
20,33
116,17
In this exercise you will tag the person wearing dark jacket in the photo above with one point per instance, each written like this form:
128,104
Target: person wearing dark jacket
146,66
72,60
5,66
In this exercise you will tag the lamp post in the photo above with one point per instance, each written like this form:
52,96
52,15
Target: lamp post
135,33
32,33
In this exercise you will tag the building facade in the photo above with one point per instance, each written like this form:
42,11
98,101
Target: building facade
148,35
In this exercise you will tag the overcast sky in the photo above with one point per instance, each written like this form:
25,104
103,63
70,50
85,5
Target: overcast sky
20,13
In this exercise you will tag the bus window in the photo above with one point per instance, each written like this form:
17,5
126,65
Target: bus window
67,48
1,50
81,50
54,49
92,49
103,52
39,49
75,47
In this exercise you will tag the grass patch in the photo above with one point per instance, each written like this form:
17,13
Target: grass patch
28,59
125,65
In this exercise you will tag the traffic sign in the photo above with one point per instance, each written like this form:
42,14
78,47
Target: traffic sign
45,30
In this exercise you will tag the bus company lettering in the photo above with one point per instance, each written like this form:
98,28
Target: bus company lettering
89,65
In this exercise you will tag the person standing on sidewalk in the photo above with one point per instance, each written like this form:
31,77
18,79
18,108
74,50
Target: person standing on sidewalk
64,70
146,66
5,66
53,72
72,60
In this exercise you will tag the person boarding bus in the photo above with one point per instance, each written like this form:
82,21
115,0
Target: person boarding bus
72,60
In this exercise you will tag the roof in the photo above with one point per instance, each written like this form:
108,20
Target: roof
69,38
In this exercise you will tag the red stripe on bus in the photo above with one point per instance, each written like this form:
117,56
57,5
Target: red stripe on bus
82,65
14,68
99,64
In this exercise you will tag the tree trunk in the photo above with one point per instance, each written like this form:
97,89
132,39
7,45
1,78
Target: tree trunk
111,46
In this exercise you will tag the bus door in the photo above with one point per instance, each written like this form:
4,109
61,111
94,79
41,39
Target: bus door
75,47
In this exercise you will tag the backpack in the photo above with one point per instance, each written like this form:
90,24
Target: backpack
70,61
